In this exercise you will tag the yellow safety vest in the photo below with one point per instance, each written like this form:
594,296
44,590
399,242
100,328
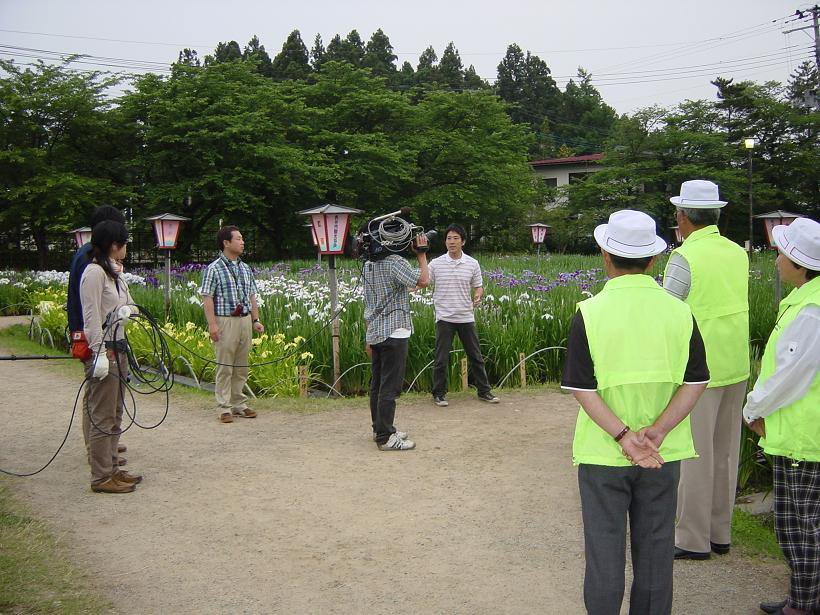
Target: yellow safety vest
794,430
638,338
719,298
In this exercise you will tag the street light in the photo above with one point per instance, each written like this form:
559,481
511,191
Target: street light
329,227
770,220
750,144
82,235
539,233
166,230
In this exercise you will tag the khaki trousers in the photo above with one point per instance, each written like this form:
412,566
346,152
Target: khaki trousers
233,348
103,406
706,493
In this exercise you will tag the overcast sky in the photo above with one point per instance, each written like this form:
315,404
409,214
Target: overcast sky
639,52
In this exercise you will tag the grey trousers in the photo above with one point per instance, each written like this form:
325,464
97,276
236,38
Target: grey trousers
610,495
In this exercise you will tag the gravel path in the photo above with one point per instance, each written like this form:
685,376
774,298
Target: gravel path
299,513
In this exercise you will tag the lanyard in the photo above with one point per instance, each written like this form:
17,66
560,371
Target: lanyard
235,279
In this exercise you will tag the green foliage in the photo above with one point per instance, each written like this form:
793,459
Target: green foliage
754,535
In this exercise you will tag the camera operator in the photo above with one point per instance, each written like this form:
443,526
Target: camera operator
388,280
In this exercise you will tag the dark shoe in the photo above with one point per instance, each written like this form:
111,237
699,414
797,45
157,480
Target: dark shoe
122,448
684,554
440,401
226,417
488,397
720,549
112,485
773,607
247,413
127,478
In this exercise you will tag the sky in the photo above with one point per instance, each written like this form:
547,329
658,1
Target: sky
640,53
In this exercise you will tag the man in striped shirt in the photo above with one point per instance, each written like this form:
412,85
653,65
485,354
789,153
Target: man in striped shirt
458,289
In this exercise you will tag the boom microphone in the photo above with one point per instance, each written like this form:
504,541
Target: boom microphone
404,211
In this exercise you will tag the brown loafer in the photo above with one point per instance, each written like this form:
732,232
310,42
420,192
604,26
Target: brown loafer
122,448
112,485
226,417
127,478
247,413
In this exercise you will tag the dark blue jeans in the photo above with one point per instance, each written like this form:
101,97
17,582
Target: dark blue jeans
387,362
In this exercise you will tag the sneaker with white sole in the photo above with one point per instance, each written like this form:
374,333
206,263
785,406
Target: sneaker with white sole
440,401
401,434
397,444
488,397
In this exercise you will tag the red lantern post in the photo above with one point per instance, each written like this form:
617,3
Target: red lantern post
82,235
329,227
539,234
166,230
770,220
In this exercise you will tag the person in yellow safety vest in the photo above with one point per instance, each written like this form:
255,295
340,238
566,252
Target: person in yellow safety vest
784,409
711,274
637,364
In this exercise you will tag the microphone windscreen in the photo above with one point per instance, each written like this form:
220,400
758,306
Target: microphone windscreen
405,211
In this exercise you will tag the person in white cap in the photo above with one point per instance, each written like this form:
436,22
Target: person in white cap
637,365
784,408
711,274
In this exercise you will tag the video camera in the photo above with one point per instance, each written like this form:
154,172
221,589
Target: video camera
389,234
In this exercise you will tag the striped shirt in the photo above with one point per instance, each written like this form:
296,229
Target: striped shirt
387,297
454,281
229,283
677,279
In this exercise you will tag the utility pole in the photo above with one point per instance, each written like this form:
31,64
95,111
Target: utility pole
815,13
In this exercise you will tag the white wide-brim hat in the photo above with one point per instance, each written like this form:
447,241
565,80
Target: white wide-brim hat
698,194
799,242
630,234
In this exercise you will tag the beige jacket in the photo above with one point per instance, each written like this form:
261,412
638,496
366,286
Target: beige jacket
100,296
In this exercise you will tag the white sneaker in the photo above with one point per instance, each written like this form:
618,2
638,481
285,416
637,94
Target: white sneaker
440,401
397,444
401,434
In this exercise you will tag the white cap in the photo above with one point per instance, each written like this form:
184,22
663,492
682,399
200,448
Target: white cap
630,234
698,194
799,242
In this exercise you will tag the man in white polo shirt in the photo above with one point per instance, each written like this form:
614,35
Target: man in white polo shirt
458,289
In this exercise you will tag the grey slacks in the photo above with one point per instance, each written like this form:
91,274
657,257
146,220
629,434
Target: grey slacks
610,495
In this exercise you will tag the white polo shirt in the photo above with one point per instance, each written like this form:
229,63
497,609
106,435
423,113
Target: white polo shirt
453,281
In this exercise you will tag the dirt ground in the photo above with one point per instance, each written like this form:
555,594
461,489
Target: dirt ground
300,513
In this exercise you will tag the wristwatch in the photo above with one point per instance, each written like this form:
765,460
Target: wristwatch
255,320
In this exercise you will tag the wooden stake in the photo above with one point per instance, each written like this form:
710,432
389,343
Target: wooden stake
303,381
522,369
464,384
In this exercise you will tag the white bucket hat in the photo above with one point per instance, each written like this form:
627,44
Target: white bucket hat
698,194
799,242
630,234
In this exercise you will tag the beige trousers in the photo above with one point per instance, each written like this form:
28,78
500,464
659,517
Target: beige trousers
103,406
706,492
233,348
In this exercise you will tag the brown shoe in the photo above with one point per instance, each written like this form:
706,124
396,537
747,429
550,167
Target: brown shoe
122,448
247,413
125,477
112,485
226,417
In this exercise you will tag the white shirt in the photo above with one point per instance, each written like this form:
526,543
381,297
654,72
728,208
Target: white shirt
453,281
797,361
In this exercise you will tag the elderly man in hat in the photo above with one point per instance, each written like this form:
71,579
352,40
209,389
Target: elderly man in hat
711,274
637,365
784,408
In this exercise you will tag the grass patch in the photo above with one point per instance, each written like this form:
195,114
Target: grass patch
754,535
37,577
